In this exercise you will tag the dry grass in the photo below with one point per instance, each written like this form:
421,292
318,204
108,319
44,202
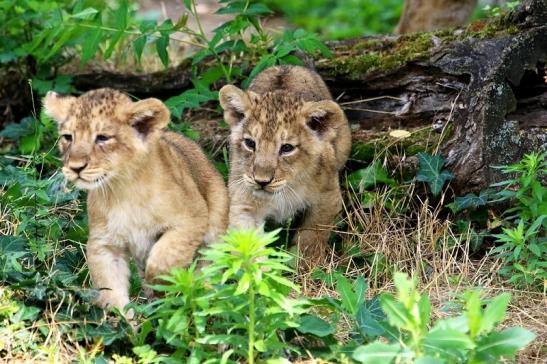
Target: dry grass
414,238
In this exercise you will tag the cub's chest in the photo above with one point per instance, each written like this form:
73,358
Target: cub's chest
133,227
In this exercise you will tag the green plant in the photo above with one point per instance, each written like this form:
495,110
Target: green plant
430,170
341,19
239,302
469,338
523,241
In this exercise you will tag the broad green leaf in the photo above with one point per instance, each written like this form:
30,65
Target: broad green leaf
347,295
431,171
473,311
314,325
470,201
376,353
360,288
505,343
448,339
494,312
370,176
396,312
370,317
424,307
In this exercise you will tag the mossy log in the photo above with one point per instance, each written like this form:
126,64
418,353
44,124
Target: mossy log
482,89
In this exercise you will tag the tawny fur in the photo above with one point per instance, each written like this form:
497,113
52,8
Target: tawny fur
286,105
428,15
152,194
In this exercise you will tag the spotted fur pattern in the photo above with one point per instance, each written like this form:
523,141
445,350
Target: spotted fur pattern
288,141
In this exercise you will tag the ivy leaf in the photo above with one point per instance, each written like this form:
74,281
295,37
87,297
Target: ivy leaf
370,176
369,318
431,171
470,201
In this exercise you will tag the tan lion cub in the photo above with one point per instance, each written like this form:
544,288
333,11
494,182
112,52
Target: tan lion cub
153,195
288,141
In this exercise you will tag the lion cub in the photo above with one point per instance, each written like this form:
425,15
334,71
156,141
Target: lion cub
288,141
152,194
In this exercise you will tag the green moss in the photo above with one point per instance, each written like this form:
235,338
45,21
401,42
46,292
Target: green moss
373,55
383,55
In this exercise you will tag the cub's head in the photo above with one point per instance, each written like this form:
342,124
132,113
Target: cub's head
103,133
278,139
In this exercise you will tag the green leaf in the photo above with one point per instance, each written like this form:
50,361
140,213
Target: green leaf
370,317
429,360
376,353
448,339
87,13
494,312
314,325
161,47
471,201
91,44
347,295
138,47
431,171
505,343
370,176
396,312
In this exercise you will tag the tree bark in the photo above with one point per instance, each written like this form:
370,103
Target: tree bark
479,95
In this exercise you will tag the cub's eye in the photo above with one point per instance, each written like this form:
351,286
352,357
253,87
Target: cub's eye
286,148
67,137
101,138
249,143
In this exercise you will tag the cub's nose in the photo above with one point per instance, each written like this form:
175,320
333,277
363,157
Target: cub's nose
78,167
263,183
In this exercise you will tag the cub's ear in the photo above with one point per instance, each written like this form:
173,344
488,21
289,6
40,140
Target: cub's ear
148,115
235,103
323,116
57,106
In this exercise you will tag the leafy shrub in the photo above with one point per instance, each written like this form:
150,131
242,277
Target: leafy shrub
239,306
523,240
468,338
240,301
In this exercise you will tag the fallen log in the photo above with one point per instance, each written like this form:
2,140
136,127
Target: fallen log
478,95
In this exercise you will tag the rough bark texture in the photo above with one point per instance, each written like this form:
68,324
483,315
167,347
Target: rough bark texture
483,87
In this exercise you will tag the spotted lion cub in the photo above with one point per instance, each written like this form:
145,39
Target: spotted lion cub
288,141
152,194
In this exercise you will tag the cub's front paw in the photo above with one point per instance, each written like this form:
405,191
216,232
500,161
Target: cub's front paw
109,299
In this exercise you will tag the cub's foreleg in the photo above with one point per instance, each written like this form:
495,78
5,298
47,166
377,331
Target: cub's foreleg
244,215
109,269
313,235
176,248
